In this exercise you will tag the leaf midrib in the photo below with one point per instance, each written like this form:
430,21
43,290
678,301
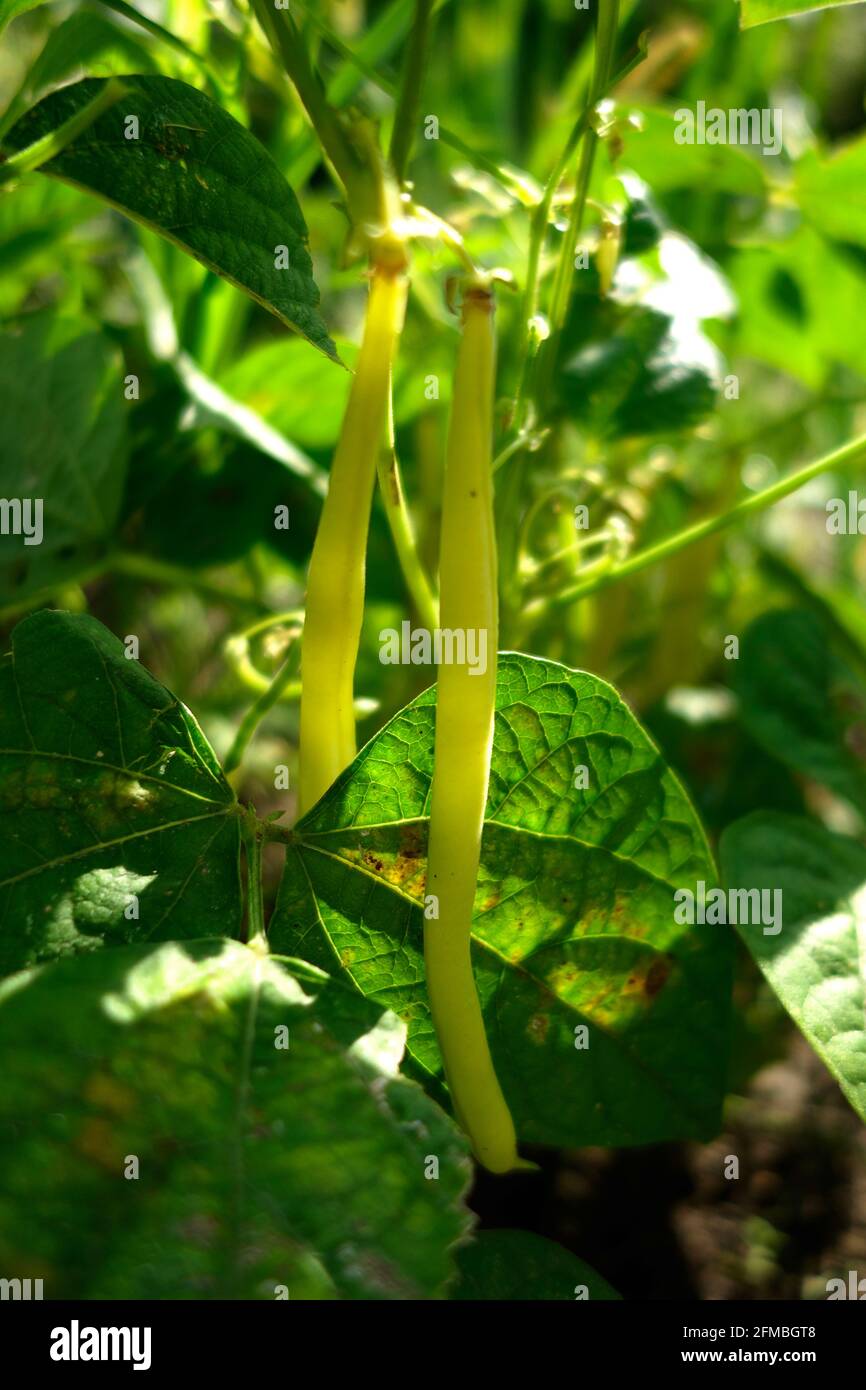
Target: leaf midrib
101,845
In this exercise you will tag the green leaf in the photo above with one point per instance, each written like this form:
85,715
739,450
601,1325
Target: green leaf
260,1165
831,191
116,823
632,377
817,962
754,12
84,40
574,915
196,176
10,9
651,152
642,368
800,322
802,702
279,380
518,1265
63,412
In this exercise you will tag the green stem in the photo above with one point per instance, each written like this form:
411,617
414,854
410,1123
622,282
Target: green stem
165,36
848,454
255,714
541,220
288,45
605,43
446,135
402,530
252,835
50,145
147,568
411,86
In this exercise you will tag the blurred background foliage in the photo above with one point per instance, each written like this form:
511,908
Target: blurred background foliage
729,350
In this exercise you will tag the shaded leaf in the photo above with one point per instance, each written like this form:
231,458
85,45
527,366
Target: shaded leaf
816,963
10,9
259,1165
802,702
84,40
112,803
195,175
638,362
519,1265
574,915
62,406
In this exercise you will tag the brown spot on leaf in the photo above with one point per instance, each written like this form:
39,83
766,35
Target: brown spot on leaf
657,976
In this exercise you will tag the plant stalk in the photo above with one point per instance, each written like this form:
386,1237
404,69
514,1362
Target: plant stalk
411,86
402,530
850,453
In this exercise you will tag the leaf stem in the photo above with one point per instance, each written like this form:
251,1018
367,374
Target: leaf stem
411,87
252,837
605,43
275,691
850,453
287,43
167,37
541,219
147,568
402,530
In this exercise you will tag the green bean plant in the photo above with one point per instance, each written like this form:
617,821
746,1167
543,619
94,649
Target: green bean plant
402,366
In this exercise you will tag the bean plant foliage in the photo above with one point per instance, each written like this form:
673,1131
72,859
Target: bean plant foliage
272,993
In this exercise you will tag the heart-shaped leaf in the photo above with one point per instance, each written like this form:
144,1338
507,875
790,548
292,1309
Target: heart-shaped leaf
170,157
519,1265
193,1121
64,448
116,823
816,961
607,1019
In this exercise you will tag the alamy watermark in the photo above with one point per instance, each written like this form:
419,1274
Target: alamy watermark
22,516
737,126
16,1289
846,516
77,1343
732,906
444,646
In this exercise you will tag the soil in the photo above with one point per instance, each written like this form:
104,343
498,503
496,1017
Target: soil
665,1222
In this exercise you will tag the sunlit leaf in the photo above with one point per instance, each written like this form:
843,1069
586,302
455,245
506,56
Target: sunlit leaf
815,958
574,937
191,172
763,11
